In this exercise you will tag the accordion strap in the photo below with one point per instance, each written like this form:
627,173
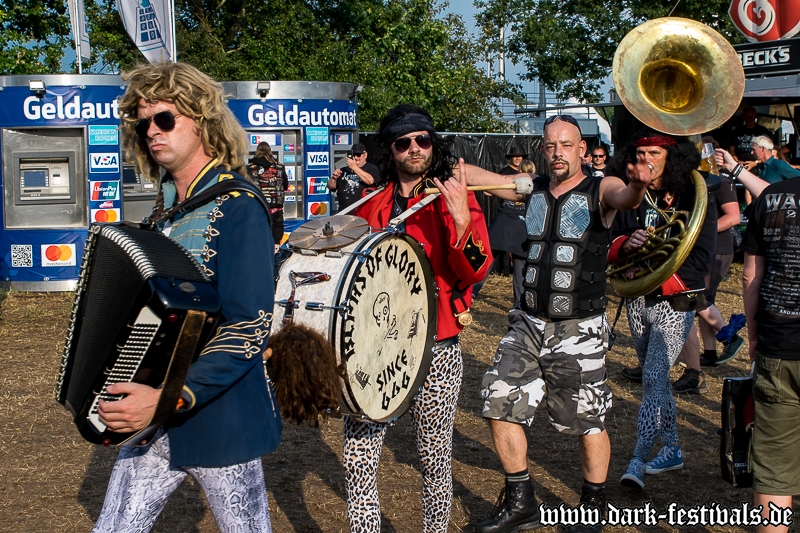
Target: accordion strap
205,196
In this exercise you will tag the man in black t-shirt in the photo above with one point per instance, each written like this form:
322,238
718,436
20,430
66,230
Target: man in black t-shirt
742,138
599,156
349,182
709,318
772,307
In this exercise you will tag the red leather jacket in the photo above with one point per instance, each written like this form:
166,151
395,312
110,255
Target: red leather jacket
456,265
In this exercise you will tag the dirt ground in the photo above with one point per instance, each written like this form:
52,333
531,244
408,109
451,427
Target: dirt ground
52,480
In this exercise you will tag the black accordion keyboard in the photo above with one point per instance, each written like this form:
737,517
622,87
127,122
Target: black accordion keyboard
143,310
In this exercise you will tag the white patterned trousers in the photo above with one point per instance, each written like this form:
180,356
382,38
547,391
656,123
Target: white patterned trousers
142,482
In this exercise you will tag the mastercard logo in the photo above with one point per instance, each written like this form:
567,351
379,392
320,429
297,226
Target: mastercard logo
318,209
106,215
60,252
58,255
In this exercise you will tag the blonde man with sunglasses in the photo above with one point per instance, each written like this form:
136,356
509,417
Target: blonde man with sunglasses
175,118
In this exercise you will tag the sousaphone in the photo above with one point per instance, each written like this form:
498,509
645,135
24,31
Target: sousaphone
680,77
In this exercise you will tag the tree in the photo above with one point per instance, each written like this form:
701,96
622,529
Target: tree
569,45
400,50
33,34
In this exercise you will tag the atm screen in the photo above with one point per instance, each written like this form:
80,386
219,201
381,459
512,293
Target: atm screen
44,180
35,178
129,176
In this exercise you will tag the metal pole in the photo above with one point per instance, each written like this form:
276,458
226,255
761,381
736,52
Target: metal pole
503,53
174,51
76,33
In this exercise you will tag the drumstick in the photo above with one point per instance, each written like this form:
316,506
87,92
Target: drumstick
521,186
435,190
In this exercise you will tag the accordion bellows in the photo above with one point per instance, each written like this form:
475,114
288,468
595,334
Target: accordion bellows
143,309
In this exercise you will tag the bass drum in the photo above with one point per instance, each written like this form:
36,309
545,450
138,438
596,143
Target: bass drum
375,301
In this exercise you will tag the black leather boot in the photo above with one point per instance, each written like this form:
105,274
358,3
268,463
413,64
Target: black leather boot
592,499
516,510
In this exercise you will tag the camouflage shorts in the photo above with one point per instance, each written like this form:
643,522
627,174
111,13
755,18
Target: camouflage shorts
562,362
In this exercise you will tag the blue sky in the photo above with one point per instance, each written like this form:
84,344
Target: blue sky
467,10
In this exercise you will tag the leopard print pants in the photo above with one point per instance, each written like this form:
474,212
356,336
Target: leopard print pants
659,333
142,482
433,412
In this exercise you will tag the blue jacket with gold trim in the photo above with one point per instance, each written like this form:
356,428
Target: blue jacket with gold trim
231,417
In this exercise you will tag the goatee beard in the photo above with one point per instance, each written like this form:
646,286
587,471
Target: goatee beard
559,175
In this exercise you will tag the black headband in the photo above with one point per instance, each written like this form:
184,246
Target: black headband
406,124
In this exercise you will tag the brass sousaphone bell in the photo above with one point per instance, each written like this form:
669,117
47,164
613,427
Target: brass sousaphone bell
680,77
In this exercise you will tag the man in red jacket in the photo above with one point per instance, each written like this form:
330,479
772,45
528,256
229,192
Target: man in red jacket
453,233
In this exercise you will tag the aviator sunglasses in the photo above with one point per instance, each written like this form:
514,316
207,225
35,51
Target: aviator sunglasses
165,120
404,143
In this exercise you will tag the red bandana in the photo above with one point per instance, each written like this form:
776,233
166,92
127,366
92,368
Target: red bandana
655,141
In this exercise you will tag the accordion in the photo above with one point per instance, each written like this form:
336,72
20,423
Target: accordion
142,312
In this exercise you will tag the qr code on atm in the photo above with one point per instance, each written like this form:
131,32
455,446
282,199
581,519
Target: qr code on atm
21,255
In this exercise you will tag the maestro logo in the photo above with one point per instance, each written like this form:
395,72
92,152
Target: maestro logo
104,190
58,255
318,209
106,215
104,162
766,20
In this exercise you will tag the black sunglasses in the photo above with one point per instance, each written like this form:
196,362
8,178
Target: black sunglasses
404,143
165,120
569,119
597,156
358,154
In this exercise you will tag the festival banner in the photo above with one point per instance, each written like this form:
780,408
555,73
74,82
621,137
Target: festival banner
149,24
77,18
766,20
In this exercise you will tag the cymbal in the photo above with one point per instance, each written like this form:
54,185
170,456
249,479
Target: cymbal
329,232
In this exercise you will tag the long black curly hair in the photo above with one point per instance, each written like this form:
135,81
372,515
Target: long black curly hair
443,160
682,158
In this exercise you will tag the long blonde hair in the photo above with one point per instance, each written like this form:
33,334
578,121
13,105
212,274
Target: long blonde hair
196,96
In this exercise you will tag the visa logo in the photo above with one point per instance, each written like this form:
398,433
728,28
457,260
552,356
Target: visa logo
104,162
318,159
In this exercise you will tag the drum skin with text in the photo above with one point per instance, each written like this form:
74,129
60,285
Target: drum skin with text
375,301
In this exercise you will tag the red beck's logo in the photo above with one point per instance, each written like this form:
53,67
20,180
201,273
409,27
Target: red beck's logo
766,20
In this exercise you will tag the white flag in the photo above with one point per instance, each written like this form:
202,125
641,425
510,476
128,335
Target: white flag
149,24
77,17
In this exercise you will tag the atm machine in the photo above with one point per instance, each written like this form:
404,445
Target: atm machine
60,172
307,125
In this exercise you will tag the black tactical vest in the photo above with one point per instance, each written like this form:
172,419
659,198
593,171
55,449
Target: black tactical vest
567,243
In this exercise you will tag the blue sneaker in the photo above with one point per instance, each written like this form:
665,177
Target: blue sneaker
669,458
634,476
730,349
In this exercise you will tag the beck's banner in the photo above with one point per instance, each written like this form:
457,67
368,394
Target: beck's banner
149,24
766,20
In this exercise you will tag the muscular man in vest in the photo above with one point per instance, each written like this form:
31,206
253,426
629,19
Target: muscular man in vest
556,341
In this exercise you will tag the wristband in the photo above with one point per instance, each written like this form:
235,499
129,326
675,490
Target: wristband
737,170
